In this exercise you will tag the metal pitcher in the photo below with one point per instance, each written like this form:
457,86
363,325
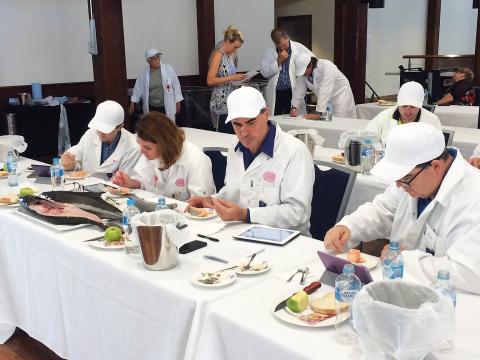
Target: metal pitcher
158,250
307,140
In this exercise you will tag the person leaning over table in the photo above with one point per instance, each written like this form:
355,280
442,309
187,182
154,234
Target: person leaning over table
475,158
461,92
222,72
170,165
278,66
408,109
432,208
269,175
328,83
157,84
106,146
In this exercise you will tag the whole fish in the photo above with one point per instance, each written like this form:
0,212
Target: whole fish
88,201
58,213
145,205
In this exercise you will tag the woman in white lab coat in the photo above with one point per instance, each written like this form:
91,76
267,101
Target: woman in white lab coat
172,94
323,78
170,166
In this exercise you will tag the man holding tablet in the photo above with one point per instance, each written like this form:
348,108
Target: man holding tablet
270,174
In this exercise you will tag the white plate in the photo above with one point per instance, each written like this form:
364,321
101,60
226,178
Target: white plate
68,176
239,270
211,214
13,197
53,226
290,317
100,244
226,278
370,261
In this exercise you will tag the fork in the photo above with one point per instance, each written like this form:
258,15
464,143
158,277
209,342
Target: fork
295,273
247,267
305,272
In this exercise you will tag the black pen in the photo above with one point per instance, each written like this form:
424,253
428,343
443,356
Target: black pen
208,237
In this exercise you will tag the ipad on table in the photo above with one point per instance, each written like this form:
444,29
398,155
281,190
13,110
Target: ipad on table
41,170
267,234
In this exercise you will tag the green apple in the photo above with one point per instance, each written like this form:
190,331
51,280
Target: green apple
5,167
113,233
25,191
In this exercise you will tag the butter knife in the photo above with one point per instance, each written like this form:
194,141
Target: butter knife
309,289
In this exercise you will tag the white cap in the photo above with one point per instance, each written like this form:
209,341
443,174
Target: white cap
245,102
411,93
152,52
108,116
409,145
301,63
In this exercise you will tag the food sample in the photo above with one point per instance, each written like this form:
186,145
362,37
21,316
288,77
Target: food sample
254,266
3,173
117,191
8,199
113,234
199,212
298,302
77,174
210,278
338,158
314,318
355,256
326,305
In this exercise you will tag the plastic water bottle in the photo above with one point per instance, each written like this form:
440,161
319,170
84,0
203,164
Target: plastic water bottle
161,204
367,157
393,262
444,286
12,169
131,246
329,116
57,175
347,286
425,97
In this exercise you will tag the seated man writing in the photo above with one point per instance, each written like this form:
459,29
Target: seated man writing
432,209
106,147
269,176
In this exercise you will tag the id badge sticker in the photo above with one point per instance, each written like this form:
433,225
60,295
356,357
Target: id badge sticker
429,238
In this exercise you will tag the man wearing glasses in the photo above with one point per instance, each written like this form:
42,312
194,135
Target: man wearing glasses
433,208
270,174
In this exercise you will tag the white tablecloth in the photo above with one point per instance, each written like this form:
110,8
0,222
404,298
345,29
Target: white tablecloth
453,115
465,139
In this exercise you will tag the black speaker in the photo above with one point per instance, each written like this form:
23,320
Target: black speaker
376,4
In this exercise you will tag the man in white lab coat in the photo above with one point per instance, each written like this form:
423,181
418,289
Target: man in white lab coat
158,86
323,78
106,147
432,209
270,174
278,66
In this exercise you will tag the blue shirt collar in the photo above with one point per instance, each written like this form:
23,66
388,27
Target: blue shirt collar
266,147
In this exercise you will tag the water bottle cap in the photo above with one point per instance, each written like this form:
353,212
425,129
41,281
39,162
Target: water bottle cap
161,200
348,269
394,245
56,161
130,202
443,275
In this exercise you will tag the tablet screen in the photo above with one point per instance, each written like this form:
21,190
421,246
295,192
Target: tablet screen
267,234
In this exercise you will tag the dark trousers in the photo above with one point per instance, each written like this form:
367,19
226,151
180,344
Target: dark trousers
283,102
160,109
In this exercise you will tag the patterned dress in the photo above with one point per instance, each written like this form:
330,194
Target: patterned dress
218,101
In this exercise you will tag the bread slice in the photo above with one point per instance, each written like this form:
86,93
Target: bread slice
326,305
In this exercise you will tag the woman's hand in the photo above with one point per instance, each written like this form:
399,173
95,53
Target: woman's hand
131,108
122,179
238,77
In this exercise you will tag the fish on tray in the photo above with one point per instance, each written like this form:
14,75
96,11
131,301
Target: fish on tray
145,205
87,201
58,213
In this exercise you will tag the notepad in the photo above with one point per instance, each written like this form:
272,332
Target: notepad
228,253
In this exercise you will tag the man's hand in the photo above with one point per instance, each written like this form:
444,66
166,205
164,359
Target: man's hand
178,107
475,161
229,211
293,112
337,237
131,108
312,116
201,201
282,56
67,160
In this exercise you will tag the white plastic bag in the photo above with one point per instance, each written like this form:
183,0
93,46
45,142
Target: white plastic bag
16,142
401,320
312,132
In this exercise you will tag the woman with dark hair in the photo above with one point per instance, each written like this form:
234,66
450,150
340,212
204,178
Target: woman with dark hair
170,165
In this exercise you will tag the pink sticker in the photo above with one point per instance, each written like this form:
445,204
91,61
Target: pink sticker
269,176
180,182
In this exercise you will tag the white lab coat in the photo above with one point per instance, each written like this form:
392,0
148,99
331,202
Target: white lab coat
450,225
476,152
89,149
284,183
171,89
329,84
271,70
384,122
190,176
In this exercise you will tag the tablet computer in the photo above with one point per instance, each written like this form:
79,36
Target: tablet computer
267,234
334,267
41,170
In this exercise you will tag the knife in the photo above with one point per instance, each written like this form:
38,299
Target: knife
310,289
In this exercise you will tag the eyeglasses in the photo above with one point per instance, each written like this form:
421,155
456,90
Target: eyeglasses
406,184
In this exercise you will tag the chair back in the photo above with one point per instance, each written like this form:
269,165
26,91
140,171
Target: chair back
219,164
331,193
448,135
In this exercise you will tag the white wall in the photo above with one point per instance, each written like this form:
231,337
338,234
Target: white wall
168,25
323,14
458,27
44,41
396,30
255,19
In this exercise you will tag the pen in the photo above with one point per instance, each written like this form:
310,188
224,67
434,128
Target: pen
208,237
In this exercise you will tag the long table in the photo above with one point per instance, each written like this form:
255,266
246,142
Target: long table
465,139
453,115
